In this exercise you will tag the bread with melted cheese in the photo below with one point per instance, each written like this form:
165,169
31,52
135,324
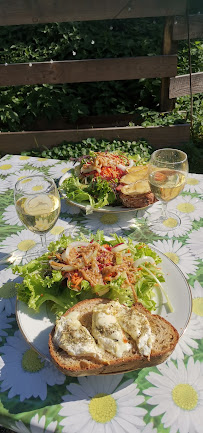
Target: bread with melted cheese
166,338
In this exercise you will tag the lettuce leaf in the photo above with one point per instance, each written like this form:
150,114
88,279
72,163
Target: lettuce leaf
42,284
97,192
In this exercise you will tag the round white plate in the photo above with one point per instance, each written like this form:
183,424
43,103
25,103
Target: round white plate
111,209
36,327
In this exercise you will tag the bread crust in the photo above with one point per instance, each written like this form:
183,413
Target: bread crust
73,366
137,200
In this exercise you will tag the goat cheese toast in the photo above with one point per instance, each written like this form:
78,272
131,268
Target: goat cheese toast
100,336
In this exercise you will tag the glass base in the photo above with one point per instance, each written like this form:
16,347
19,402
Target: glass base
169,221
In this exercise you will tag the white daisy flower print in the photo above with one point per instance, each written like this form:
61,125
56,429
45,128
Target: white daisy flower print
4,324
144,213
36,425
13,178
61,226
187,341
197,302
8,291
195,243
42,162
18,160
179,230
108,222
4,186
105,407
10,216
194,183
187,205
23,372
177,393
6,167
60,169
69,208
179,254
20,244
149,429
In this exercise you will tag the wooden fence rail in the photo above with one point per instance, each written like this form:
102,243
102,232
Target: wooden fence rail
77,71
180,85
158,136
17,12
180,30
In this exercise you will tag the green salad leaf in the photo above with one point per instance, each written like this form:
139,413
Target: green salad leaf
43,284
97,193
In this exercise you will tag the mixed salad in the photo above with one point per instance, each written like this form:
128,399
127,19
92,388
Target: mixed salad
95,180
76,269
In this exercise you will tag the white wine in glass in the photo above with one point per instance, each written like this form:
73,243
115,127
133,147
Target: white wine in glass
38,205
168,169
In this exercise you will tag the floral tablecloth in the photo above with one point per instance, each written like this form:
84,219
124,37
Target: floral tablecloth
35,396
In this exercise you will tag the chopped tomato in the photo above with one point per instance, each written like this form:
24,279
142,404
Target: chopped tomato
108,247
110,173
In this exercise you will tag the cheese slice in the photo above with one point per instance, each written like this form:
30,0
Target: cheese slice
140,187
135,174
71,336
137,326
107,331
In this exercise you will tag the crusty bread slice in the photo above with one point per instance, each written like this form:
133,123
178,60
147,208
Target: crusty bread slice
137,200
166,338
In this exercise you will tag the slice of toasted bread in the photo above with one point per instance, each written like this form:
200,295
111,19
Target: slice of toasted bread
137,201
166,338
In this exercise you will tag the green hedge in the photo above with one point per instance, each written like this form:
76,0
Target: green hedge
21,105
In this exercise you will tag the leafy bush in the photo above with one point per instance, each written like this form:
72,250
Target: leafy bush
21,105
74,150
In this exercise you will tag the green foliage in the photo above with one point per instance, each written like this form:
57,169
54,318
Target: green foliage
74,150
20,106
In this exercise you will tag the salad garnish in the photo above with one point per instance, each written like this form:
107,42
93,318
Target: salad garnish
76,269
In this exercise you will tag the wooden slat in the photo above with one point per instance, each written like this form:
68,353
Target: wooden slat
180,85
180,31
14,12
102,121
169,47
77,71
158,136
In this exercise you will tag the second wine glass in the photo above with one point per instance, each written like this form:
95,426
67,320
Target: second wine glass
38,205
168,169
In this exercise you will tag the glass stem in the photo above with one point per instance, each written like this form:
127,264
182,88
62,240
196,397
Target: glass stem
43,240
164,209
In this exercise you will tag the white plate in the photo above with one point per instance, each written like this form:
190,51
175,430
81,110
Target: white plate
111,209
36,327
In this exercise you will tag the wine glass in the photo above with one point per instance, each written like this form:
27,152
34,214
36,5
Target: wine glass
167,173
38,205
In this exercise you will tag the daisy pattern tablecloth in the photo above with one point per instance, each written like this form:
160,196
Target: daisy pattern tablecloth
34,396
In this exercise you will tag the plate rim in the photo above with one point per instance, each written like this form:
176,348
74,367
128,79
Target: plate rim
105,209
23,333
158,252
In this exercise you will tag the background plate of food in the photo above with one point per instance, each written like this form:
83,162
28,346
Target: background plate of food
107,182
52,287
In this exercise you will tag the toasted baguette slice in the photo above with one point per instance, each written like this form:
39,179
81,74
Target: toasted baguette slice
166,338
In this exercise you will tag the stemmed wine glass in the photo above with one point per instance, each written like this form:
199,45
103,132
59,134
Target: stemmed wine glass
168,169
38,205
